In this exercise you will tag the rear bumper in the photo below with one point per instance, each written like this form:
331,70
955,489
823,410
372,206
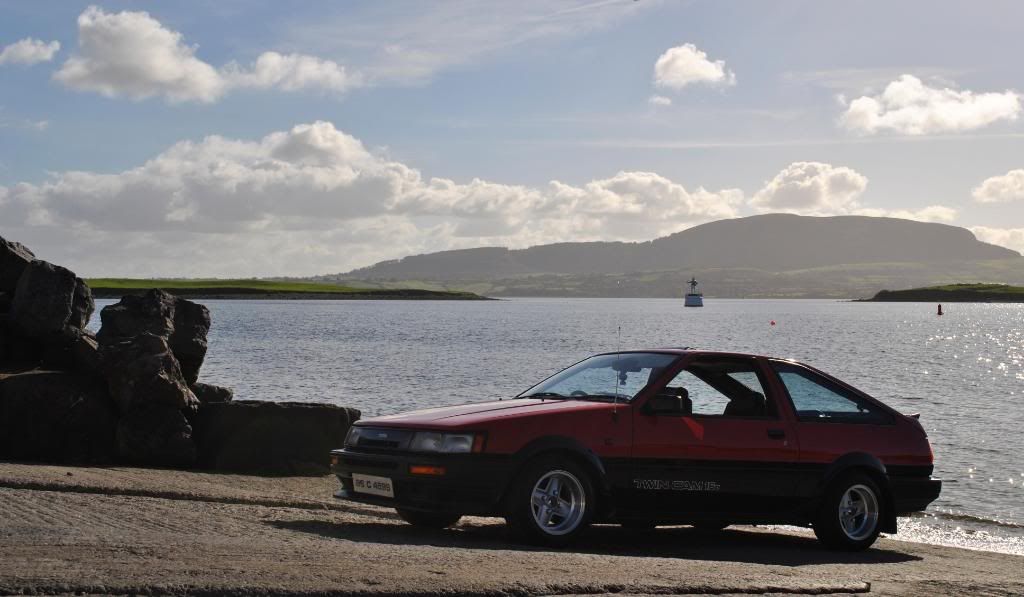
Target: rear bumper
913,494
472,483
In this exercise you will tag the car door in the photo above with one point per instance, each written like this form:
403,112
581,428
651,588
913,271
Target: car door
716,458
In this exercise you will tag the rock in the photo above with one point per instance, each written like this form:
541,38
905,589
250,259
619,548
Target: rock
191,325
42,300
56,417
143,373
156,435
181,322
86,355
271,437
16,349
14,258
209,393
82,305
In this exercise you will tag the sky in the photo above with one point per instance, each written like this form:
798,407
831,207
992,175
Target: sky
280,138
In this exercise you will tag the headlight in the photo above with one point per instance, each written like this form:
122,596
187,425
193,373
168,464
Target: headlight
445,443
353,436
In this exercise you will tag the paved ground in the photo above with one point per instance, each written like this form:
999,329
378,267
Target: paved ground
122,530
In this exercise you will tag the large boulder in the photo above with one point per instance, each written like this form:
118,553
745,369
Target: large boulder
183,323
155,435
14,258
285,438
56,416
142,372
43,300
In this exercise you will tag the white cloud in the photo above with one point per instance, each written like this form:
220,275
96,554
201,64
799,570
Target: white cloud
819,189
291,72
29,51
131,54
685,65
314,199
1011,238
659,100
908,106
811,188
1001,189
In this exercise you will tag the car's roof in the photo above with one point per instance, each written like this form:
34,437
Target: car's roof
685,350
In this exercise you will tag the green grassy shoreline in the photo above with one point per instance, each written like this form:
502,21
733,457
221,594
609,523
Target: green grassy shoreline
248,289
954,293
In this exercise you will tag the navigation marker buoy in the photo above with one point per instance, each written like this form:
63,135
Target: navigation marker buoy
940,309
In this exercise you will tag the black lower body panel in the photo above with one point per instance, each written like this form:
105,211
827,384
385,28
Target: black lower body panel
472,484
913,494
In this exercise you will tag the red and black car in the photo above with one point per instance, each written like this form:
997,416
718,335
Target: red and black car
653,437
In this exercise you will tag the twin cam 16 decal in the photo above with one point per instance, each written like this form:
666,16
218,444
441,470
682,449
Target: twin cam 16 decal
662,484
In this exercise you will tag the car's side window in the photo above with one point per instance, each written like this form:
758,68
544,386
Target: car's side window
817,399
726,388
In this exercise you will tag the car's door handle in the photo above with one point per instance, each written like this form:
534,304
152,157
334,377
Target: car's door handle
776,433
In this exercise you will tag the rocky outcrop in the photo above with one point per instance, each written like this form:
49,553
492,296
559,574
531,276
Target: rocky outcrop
271,437
131,393
14,258
151,348
182,323
56,416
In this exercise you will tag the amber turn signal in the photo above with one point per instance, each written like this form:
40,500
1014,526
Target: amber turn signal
422,469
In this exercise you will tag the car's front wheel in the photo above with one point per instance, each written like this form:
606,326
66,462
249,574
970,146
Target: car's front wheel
551,502
428,520
850,514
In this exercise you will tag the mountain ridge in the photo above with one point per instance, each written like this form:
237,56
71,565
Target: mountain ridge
769,242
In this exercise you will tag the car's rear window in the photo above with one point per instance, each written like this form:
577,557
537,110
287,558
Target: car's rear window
815,398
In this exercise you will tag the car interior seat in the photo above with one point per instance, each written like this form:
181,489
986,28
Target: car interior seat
684,398
750,404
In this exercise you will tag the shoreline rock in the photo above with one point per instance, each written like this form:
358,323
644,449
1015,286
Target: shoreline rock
131,393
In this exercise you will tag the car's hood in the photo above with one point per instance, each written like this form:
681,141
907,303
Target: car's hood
471,414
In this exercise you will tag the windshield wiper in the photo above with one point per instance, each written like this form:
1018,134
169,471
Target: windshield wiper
545,395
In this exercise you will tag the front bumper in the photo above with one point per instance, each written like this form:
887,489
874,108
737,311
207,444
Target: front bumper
913,494
472,483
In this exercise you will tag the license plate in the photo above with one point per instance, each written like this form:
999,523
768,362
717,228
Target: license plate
373,485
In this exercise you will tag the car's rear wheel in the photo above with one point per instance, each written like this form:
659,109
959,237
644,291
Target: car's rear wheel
850,514
428,520
551,502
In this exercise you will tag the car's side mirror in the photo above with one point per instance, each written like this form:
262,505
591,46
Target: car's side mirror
668,404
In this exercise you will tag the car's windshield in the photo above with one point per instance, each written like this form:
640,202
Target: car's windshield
608,376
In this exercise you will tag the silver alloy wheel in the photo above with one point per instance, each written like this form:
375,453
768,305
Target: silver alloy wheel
858,512
558,502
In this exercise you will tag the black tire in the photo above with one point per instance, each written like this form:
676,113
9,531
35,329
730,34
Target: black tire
710,526
838,524
428,520
570,516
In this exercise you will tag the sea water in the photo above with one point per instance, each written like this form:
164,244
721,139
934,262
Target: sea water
963,371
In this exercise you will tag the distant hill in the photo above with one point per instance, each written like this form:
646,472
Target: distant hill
765,243
955,293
